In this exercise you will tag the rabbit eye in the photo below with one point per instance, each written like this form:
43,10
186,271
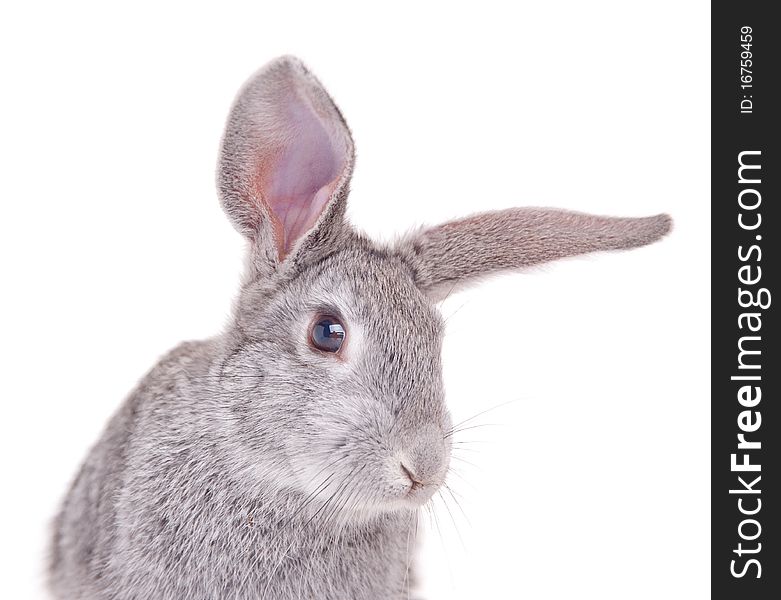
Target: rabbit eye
327,334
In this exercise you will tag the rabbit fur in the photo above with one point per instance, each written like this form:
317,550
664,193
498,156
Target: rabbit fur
254,466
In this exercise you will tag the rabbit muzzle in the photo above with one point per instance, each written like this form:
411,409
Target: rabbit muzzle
422,464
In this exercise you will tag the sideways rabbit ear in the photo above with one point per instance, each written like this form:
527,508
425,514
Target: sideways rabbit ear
456,253
285,163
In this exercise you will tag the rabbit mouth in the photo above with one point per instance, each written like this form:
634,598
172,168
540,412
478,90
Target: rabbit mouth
414,497
419,495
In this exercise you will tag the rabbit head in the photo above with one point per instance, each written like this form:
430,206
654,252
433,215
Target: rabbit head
333,372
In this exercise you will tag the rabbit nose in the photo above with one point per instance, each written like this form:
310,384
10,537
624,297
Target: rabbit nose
424,459
416,483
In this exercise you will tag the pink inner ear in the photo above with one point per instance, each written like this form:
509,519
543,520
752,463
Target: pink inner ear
304,175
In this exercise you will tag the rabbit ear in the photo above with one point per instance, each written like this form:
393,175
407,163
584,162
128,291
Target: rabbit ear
285,162
450,255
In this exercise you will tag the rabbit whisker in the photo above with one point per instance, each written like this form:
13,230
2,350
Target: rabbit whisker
467,428
482,412
452,518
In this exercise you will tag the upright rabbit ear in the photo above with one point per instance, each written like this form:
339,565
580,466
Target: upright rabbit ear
455,253
285,163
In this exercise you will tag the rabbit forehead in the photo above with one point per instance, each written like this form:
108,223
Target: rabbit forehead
376,289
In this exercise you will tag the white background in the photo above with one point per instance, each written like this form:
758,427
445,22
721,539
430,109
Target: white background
594,483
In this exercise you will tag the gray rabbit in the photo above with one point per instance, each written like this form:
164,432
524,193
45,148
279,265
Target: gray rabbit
288,457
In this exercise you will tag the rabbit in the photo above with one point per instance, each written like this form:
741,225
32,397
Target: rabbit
288,456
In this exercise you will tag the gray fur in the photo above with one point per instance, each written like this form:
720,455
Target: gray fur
251,466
